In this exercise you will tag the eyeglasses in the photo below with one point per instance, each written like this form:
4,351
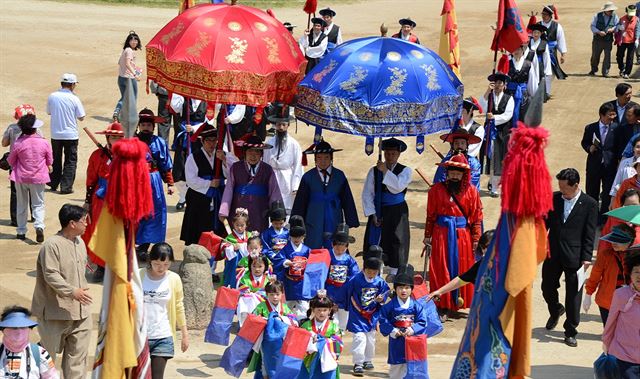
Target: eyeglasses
84,220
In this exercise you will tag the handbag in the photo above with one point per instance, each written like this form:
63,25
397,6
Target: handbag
4,162
606,367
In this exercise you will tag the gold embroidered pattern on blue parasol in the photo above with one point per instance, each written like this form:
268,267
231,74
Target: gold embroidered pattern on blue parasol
325,71
398,77
355,78
432,76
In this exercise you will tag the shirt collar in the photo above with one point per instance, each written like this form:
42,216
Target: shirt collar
404,304
574,199
328,169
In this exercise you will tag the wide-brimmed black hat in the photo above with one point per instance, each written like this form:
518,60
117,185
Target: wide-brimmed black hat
471,103
208,130
341,235
279,113
498,76
618,235
296,226
373,257
318,20
327,12
277,211
404,276
322,147
253,142
538,27
393,144
407,21
288,25
147,115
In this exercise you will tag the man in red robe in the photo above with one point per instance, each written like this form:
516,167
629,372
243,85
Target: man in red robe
453,228
97,174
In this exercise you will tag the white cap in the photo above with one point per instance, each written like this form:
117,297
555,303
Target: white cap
69,78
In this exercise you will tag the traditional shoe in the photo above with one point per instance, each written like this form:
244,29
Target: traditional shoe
39,235
570,341
66,191
367,366
358,370
494,194
21,237
180,205
552,322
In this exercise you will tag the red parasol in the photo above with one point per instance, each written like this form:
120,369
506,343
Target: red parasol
231,54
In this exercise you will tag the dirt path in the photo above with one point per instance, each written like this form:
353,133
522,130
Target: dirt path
39,40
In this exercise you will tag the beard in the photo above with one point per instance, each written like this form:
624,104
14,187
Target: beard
454,186
281,139
145,136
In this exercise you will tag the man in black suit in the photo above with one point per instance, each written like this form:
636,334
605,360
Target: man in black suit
572,226
622,102
599,143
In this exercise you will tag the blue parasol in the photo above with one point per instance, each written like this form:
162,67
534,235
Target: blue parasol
380,87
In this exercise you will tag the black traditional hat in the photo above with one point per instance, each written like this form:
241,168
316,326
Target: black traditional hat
407,21
393,144
471,103
404,276
279,113
539,27
277,211
341,235
253,142
208,130
498,76
289,25
318,20
147,115
296,226
322,147
327,12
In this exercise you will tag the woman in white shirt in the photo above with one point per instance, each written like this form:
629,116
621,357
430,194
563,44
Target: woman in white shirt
128,72
627,167
163,308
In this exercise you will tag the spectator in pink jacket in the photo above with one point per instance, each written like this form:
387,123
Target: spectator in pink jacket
621,337
30,159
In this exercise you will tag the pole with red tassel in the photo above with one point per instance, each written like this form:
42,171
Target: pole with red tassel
310,7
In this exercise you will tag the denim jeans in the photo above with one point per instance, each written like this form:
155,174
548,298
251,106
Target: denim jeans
122,85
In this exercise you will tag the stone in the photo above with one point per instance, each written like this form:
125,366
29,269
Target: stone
198,287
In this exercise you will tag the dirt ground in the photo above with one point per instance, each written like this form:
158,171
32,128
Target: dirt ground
41,39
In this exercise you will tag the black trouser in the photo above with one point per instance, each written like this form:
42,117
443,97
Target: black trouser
64,177
604,315
596,178
164,128
625,65
599,45
628,370
551,272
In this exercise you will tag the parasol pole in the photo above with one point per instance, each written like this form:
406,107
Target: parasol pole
424,177
221,134
188,134
436,151
486,121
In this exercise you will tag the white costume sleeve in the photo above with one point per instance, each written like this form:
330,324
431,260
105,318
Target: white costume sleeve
534,76
562,42
177,102
546,60
298,170
620,176
195,182
339,39
396,184
316,51
474,149
508,113
368,194
237,115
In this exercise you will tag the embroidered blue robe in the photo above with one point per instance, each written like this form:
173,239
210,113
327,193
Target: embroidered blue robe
293,283
392,315
360,296
341,270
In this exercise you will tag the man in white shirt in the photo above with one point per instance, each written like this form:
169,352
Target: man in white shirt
314,43
556,41
470,125
388,213
286,155
333,31
501,111
65,109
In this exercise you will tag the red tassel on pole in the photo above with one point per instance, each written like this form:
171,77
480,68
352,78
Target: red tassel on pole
503,64
310,6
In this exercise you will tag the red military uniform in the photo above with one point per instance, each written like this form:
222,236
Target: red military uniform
448,225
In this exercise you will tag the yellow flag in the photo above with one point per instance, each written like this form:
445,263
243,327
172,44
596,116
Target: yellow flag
449,49
186,4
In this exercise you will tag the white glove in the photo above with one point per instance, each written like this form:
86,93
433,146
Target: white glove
586,303
394,333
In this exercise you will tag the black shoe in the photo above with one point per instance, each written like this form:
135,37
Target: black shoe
32,220
592,73
367,366
52,187
358,370
552,322
180,206
570,341
21,237
39,235
605,74
66,191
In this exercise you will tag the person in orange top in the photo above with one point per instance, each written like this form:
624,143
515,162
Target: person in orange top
97,174
631,183
608,272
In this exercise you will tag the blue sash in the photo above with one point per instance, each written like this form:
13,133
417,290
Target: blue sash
553,45
332,202
216,195
251,190
518,94
389,198
452,223
101,191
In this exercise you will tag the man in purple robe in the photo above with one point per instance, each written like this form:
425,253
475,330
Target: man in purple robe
252,185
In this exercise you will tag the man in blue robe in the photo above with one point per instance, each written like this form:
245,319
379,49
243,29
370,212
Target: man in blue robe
324,198
153,229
